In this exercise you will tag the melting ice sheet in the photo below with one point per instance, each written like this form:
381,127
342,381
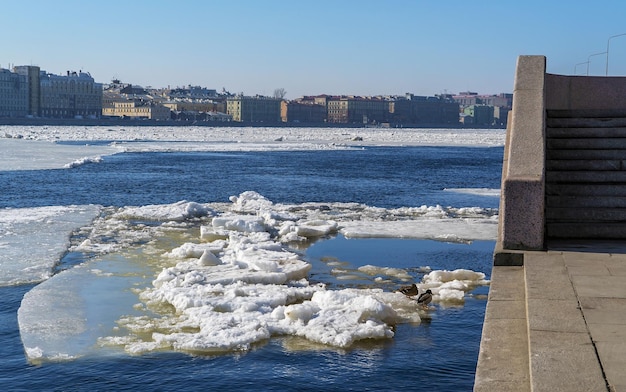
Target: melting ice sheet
32,240
222,277
20,154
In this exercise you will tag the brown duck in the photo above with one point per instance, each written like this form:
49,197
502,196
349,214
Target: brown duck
425,297
409,291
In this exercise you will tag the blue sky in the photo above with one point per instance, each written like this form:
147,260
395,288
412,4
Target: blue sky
363,47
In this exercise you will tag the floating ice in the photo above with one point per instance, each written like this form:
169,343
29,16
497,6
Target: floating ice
451,286
34,142
233,283
20,154
245,138
476,191
62,317
83,161
166,212
32,240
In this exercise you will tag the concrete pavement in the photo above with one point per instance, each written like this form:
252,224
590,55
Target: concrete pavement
557,323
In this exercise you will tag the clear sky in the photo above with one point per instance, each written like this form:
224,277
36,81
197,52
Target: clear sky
308,47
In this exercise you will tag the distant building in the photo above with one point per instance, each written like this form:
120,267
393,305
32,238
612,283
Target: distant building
195,116
70,96
500,105
254,109
481,115
353,109
303,110
131,89
420,110
192,92
136,109
32,73
13,94
501,116
195,105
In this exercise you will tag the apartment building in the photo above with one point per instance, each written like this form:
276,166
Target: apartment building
352,109
254,109
195,106
303,110
480,115
34,89
136,109
475,107
421,110
13,94
74,95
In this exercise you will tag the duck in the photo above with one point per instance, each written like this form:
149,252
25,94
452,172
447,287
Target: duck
409,291
425,297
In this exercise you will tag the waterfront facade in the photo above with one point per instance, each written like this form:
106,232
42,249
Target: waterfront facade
34,89
304,110
75,95
254,109
194,106
427,111
362,110
136,109
480,114
13,94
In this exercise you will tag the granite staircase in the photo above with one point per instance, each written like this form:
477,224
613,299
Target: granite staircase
585,176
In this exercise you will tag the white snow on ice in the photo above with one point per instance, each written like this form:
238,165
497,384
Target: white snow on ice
231,284
37,147
32,240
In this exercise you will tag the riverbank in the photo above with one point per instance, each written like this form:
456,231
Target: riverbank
177,123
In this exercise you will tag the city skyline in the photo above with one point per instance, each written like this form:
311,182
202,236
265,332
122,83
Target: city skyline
309,48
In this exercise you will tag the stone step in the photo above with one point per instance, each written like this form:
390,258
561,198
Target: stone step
589,176
586,154
585,122
503,360
610,190
586,175
585,202
586,113
577,215
589,164
607,143
585,132
586,230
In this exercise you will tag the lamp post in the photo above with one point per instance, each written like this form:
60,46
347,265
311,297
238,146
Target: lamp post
589,59
608,41
576,66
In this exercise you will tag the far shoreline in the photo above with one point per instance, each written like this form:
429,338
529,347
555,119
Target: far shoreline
176,123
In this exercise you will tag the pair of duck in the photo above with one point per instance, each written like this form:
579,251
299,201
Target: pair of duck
412,290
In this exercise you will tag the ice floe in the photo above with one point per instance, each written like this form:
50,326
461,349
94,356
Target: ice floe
32,240
224,277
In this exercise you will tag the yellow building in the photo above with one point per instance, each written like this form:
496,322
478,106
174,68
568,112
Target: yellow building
136,109
254,109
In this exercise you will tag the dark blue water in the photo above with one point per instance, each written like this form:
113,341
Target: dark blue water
382,177
436,355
